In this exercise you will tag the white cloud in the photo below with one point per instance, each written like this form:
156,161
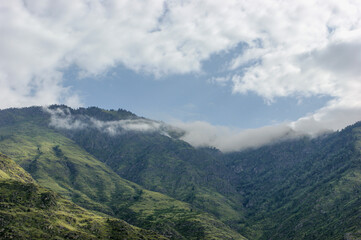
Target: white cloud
203,134
63,119
305,48
222,81
336,115
117,127
41,38
295,48
226,139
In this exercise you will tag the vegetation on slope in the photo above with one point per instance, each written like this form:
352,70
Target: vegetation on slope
163,164
302,189
28,211
299,189
61,165
10,170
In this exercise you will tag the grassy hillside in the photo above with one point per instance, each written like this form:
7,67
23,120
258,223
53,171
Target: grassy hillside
28,211
58,163
163,164
166,165
300,189
9,170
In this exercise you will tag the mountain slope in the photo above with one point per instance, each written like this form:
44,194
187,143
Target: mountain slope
157,162
302,189
296,189
58,163
9,170
28,211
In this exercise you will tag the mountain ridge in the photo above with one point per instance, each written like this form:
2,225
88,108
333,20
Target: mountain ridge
305,188
41,150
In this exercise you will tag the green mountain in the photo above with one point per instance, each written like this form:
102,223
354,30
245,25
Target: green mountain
121,166
163,164
58,163
28,211
302,189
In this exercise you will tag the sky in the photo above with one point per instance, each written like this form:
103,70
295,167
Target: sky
233,74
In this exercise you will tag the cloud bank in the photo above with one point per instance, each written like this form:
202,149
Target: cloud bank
198,134
203,134
334,116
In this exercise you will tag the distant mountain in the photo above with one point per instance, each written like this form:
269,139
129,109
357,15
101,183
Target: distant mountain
138,170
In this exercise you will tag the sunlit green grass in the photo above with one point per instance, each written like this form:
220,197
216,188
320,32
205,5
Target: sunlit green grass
28,211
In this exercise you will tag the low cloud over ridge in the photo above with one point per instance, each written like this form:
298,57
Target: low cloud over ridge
63,119
203,134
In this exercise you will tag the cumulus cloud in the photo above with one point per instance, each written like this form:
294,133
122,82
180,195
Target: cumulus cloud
40,39
292,48
302,49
